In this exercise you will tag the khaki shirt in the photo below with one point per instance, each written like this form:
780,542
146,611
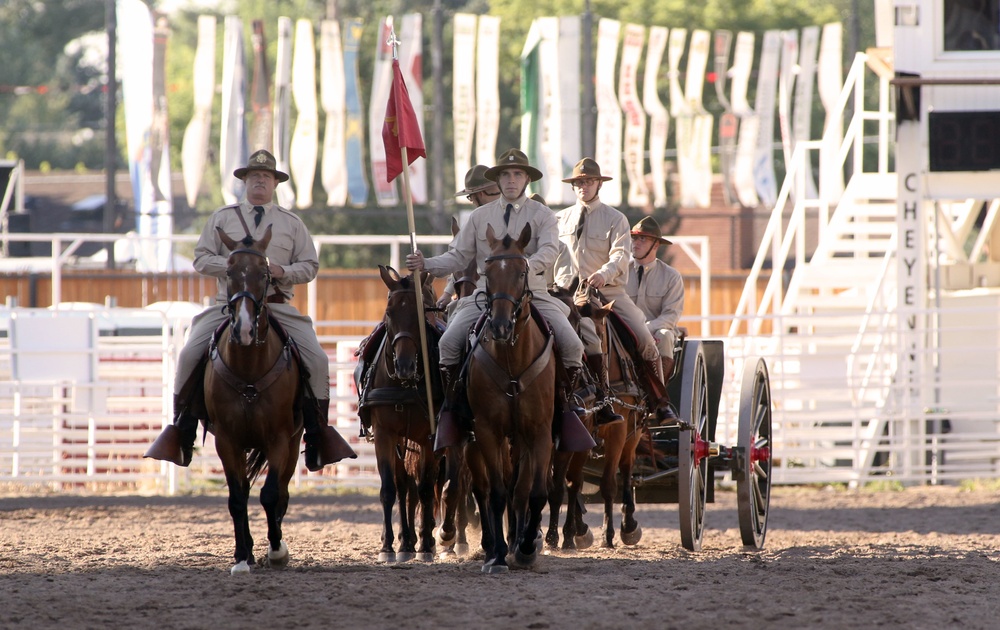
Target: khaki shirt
470,242
291,247
603,247
660,296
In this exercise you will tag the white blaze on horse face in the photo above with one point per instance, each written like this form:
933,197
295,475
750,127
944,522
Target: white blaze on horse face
245,322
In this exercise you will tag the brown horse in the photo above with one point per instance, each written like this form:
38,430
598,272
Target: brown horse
512,373
456,480
251,389
397,404
620,439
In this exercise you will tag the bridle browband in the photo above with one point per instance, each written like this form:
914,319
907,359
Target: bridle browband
518,302
403,334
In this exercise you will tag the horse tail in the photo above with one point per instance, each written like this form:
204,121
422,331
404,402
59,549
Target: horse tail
256,460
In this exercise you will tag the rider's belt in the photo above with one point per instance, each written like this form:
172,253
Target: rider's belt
276,298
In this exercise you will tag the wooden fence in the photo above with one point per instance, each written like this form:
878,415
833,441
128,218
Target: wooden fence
348,301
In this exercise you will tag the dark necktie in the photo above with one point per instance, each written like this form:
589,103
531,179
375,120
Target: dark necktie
579,226
506,214
259,210
638,275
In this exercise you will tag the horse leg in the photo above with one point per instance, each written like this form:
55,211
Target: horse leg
631,532
609,489
560,464
536,482
576,533
451,495
407,512
239,490
277,554
384,456
425,490
496,561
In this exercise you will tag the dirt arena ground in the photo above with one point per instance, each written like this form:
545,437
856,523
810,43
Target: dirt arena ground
915,558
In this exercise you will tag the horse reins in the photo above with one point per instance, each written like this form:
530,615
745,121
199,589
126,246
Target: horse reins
518,302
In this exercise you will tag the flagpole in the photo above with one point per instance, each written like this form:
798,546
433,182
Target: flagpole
413,248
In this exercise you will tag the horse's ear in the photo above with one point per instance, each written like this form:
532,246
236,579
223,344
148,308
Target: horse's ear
573,286
454,226
226,240
387,274
261,245
425,279
607,307
491,237
525,237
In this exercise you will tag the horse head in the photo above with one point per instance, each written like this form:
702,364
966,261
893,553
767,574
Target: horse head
507,293
402,322
247,281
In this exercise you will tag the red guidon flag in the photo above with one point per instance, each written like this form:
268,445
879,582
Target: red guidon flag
401,128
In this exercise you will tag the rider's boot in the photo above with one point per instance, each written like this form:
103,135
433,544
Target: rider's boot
452,427
666,368
176,442
324,444
605,411
571,433
659,400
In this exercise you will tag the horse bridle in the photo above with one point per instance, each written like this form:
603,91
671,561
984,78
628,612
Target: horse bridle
399,336
518,302
258,303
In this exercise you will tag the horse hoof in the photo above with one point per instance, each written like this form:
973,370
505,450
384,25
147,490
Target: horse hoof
278,558
492,568
387,557
523,560
240,568
462,549
584,541
446,553
425,556
633,537
404,556
441,541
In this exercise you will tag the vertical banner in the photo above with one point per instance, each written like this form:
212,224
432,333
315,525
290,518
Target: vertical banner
531,95
282,110
682,114
830,81
728,122
331,85
135,35
463,96
559,192
659,120
233,135
805,81
357,182
698,187
767,83
786,87
608,151
411,65
305,137
634,137
261,131
487,90
385,191
743,180
549,136
161,219
194,148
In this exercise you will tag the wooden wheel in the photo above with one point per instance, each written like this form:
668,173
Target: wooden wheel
693,448
753,483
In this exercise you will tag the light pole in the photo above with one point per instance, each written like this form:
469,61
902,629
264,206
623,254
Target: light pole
110,144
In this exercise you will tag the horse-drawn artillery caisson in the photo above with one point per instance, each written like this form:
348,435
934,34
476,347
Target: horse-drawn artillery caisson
677,463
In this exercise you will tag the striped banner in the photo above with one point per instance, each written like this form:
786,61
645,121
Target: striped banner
830,81
728,122
463,96
385,191
697,186
659,120
786,87
160,221
282,110
531,96
331,70
194,148
767,83
548,150
634,145
233,135
305,137
411,64
805,82
354,126
678,107
560,193
608,151
743,162
487,90
262,129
